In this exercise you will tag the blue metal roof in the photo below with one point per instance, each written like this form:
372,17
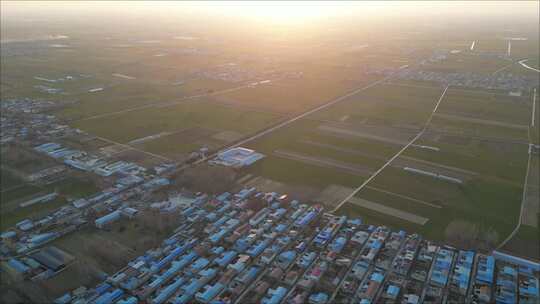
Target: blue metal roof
18,265
210,293
276,295
101,288
168,291
109,297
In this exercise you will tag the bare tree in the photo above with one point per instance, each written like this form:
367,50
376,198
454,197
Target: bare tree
461,233
206,178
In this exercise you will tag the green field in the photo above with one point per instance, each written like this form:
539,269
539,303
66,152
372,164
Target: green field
488,106
525,243
505,161
181,143
133,125
480,130
36,211
25,190
294,95
385,104
11,212
8,180
486,202
304,138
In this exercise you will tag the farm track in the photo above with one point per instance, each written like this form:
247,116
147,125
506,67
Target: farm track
376,173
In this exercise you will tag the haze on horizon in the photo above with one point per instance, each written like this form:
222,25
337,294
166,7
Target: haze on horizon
30,19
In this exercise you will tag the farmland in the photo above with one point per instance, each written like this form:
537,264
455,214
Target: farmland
128,126
71,188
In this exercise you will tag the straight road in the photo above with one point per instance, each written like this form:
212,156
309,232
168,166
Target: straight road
298,117
525,184
395,156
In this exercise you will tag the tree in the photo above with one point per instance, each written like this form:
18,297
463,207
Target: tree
461,234
206,178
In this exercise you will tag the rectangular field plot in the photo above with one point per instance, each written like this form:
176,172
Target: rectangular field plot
531,202
459,127
500,160
179,144
493,203
491,109
386,104
489,202
324,154
291,95
118,98
413,218
491,45
301,174
133,125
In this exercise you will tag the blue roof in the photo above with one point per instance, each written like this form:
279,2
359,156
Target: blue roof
18,265
276,295
176,252
304,220
109,297
288,255
226,258
101,288
249,274
210,292
199,264
377,277
223,196
319,297
168,291
516,260
130,300
486,269
393,290
258,248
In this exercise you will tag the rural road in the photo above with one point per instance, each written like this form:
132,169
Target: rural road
525,183
395,156
522,62
289,121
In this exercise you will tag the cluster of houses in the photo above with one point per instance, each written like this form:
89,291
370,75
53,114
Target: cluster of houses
40,264
21,117
87,162
255,247
500,81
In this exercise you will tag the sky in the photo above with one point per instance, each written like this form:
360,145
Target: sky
274,11
291,15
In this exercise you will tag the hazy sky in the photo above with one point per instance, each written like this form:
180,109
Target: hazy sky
263,15
293,11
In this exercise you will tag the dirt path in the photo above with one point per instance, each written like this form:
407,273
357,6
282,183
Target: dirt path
405,197
396,155
406,161
481,121
413,218
361,135
324,162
